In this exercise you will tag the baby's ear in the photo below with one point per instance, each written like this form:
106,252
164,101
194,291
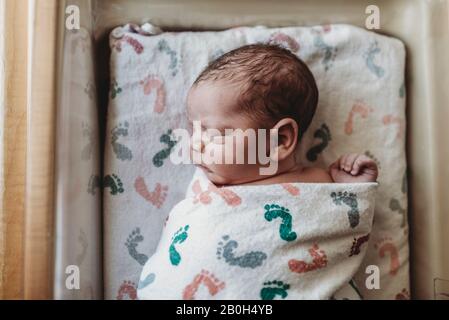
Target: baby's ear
287,132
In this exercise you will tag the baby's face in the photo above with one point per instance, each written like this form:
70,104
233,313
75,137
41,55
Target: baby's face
215,105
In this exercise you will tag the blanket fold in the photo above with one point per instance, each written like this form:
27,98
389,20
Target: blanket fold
280,241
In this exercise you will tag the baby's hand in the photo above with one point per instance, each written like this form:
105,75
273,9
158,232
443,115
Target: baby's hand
353,167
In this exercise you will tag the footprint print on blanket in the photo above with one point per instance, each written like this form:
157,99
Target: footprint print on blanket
121,151
359,108
153,83
164,47
127,290
230,197
114,183
157,197
212,283
167,139
132,243
393,120
357,244
225,250
290,188
179,237
370,55
275,211
115,89
319,260
323,134
272,289
135,44
149,279
385,246
395,206
329,52
350,200
403,295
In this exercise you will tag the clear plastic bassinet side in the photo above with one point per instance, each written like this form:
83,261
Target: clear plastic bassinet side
77,239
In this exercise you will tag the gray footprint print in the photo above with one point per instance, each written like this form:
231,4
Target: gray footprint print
132,242
225,250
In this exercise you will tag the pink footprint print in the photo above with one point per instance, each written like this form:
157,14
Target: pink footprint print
152,83
127,289
212,284
157,197
386,246
294,191
403,295
230,197
358,108
390,119
136,45
319,260
200,196
285,41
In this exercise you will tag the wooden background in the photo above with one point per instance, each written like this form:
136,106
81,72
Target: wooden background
26,177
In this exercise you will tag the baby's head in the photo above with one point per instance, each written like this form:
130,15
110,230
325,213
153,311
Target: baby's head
256,86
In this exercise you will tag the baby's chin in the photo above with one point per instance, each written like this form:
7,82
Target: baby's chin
217,178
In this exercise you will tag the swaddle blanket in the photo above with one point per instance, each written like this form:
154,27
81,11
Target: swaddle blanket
286,241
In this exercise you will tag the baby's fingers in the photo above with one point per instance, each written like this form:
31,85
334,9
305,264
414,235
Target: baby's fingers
349,162
364,162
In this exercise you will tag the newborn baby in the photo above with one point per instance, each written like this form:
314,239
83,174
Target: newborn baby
241,234
264,87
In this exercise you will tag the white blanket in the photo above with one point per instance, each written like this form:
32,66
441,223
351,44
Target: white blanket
361,109
285,241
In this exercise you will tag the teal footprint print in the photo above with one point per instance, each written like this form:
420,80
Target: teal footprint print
164,47
121,151
275,288
369,60
115,90
324,134
251,259
149,279
180,236
158,159
275,211
132,243
349,199
114,184
329,52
